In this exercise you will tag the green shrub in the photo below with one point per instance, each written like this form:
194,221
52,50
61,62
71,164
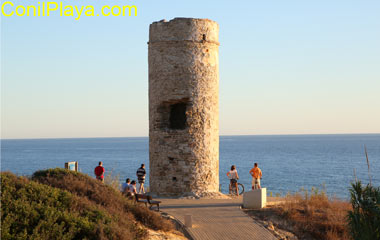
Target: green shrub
30,210
364,219
116,204
62,204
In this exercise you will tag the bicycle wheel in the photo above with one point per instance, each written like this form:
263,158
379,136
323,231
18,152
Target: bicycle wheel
240,188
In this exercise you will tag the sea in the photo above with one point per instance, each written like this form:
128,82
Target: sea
290,163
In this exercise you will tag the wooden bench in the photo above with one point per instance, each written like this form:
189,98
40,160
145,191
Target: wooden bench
146,199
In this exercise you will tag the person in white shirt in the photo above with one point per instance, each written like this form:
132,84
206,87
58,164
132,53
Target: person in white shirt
125,186
233,176
132,187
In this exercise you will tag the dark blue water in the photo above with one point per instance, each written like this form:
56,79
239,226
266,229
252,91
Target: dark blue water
288,162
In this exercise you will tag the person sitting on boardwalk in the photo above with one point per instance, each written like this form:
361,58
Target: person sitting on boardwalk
233,176
125,186
99,172
256,176
141,177
132,188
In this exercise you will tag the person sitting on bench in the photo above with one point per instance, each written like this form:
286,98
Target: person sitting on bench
125,186
132,188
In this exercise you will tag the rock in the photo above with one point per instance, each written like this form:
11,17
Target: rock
270,226
159,235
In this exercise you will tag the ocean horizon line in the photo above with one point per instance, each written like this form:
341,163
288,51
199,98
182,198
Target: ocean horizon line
226,135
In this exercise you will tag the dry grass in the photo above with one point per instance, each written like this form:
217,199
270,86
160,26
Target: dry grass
314,215
112,179
104,195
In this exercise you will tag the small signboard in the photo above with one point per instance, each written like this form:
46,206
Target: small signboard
72,166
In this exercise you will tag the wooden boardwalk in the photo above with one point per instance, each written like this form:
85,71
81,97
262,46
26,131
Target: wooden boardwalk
217,219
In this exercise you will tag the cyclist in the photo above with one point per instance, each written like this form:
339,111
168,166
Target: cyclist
233,176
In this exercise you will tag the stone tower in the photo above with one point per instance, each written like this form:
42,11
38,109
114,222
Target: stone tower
184,107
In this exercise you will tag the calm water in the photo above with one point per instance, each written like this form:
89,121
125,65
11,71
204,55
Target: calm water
288,162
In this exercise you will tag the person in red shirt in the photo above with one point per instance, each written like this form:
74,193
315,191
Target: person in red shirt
99,172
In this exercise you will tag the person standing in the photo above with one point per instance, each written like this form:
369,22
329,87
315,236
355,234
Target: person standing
99,172
233,176
141,177
256,176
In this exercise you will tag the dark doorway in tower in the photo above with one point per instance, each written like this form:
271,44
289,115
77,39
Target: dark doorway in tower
177,118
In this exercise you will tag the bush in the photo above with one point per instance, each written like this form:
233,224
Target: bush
364,219
30,210
62,204
99,193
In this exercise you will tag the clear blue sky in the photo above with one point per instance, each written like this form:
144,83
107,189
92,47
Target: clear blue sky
286,67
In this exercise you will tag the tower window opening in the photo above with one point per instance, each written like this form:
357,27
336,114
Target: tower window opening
177,119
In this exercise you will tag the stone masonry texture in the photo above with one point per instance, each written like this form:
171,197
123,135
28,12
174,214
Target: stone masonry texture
184,107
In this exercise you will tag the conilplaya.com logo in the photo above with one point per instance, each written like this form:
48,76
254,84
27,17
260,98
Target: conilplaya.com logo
46,9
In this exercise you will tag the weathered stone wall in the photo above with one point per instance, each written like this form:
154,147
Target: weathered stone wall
183,107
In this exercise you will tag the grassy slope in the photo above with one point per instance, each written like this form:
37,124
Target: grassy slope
59,204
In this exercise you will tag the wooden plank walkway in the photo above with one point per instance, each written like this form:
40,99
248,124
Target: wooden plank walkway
217,219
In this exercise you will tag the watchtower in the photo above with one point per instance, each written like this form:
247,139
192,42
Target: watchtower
184,107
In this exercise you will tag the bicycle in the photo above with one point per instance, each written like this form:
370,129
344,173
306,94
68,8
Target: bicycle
232,191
